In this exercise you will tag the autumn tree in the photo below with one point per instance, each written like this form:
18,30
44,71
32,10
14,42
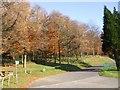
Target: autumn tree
15,33
54,33
36,29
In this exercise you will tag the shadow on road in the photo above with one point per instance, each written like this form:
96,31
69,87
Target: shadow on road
93,69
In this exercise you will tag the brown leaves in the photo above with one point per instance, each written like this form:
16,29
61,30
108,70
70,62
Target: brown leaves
34,30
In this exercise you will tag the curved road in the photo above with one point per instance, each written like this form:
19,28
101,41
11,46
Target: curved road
87,78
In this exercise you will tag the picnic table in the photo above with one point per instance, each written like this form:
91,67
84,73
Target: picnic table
5,75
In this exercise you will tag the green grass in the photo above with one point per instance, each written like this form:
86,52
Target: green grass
97,60
89,60
36,72
113,74
110,72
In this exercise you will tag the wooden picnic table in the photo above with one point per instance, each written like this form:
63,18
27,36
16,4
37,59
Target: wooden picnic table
5,75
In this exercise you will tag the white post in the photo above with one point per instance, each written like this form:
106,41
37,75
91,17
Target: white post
25,62
16,75
22,59
9,80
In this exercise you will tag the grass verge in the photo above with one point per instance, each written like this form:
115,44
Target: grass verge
89,60
110,72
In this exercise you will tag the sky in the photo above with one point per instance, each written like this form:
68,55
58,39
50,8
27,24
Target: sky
85,12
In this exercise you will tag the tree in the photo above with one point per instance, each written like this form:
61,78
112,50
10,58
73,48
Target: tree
37,37
93,35
55,26
110,36
14,33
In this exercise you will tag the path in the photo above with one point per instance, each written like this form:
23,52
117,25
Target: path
87,78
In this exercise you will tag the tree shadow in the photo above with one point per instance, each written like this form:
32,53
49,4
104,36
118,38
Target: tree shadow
65,67
71,67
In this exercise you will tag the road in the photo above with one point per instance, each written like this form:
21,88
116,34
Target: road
87,78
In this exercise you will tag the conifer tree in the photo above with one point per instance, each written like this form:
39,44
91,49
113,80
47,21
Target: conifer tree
111,35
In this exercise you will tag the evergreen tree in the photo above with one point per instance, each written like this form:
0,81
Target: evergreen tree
111,35
106,47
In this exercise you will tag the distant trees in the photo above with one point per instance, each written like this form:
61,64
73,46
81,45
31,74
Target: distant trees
30,31
111,35
94,40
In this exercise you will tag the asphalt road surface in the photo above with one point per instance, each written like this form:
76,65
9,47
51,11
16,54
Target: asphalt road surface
87,78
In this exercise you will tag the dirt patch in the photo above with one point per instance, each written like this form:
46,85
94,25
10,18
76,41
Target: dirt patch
26,84
32,79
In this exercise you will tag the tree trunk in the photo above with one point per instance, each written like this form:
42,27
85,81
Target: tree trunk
54,54
22,59
59,52
13,58
81,54
59,57
68,57
33,58
68,61
87,53
45,58
55,58
93,52
117,60
118,64
25,59
93,48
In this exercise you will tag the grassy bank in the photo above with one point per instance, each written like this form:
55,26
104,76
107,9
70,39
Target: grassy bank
36,72
87,61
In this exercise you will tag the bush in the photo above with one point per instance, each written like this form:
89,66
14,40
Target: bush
113,68
7,62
